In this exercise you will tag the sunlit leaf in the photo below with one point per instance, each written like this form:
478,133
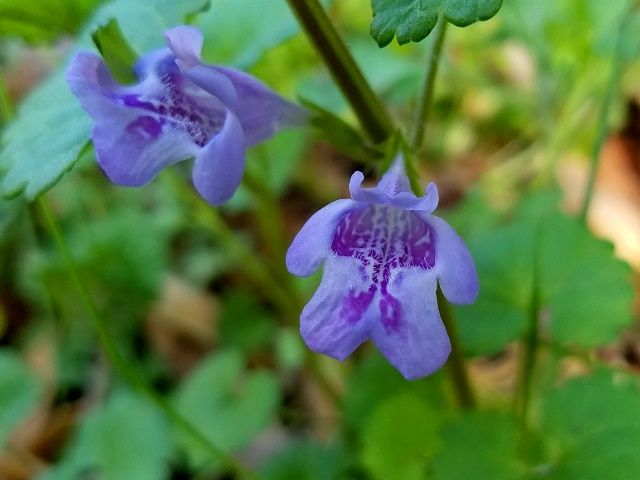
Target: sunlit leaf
413,20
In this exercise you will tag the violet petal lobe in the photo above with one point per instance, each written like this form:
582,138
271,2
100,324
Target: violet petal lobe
336,320
261,111
393,190
132,144
455,267
313,242
411,334
219,166
186,43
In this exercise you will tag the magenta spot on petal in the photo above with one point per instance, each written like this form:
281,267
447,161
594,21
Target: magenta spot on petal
146,126
384,240
355,304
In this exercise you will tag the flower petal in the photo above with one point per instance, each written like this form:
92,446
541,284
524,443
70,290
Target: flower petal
328,324
390,191
418,343
313,242
132,146
454,265
214,83
186,43
261,111
219,166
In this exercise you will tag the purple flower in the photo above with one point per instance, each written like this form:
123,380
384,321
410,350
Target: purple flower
179,109
383,254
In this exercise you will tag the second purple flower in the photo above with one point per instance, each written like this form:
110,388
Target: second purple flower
384,255
179,109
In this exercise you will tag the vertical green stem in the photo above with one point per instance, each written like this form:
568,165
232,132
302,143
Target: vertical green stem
426,93
367,106
602,128
456,365
122,366
6,112
529,355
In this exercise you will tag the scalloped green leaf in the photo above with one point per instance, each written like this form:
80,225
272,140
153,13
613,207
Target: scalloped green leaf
586,294
399,437
585,445
128,437
230,405
51,130
481,445
413,20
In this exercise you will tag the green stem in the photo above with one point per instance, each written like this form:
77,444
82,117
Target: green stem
529,356
426,94
367,106
456,365
602,128
6,111
122,366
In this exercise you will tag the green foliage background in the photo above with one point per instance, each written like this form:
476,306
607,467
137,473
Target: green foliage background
240,374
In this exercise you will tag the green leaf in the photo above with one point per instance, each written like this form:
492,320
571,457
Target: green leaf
239,32
51,130
505,265
245,323
43,20
413,20
304,460
229,406
479,445
399,438
19,391
340,134
126,438
590,446
374,380
586,294
116,51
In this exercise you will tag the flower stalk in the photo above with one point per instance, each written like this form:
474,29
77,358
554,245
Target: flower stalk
370,111
603,120
426,93
457,369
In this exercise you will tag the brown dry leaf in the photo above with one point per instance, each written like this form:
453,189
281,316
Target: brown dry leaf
182,325
615,206
496,377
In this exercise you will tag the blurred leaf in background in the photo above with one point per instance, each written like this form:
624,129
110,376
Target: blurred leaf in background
229,405
20,391
127,437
